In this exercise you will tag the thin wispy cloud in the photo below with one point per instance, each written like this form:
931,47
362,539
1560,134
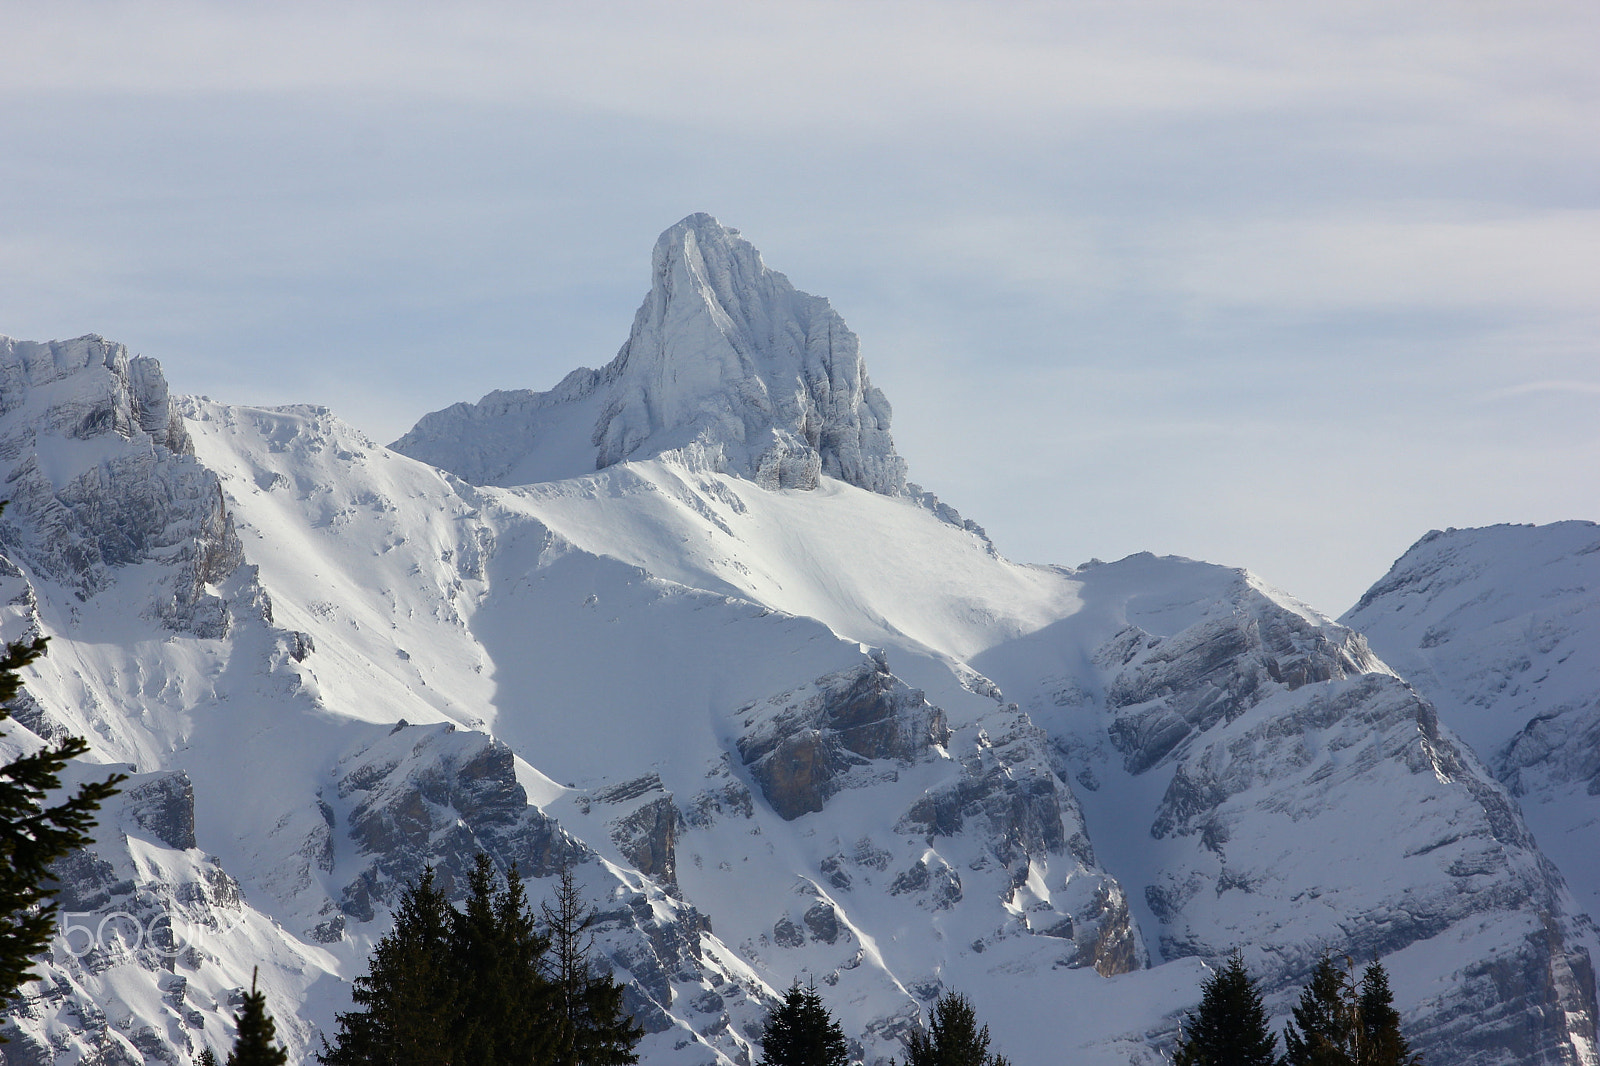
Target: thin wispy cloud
1071,236
1560,388
1544,260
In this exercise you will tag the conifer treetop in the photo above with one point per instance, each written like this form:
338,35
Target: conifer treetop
33,835
1230,1026
800,1031
256,1041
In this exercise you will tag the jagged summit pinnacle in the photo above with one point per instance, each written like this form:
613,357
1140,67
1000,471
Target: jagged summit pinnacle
726,360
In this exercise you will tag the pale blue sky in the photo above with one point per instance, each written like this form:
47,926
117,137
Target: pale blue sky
1275,285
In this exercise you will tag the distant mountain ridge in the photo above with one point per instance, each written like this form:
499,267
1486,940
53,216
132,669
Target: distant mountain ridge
1500,629
681,623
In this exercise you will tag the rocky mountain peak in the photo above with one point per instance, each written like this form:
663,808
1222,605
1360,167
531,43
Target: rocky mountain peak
727,362
83,388
100,474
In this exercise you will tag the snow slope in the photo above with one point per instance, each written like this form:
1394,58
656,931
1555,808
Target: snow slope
651,711
1500,628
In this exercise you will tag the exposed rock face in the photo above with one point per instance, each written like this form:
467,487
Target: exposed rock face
1281,733
726,358
1369,732
164,807
1166,688
822,919
128,401
936,885
1022,814
647,834
99,472
731,800
432,795
656,941
1115,947
1000,806
1008,796
1565,747
801,745
1525,1003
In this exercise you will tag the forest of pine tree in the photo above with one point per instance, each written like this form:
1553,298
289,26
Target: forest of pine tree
801,1032
484,985
1338,1021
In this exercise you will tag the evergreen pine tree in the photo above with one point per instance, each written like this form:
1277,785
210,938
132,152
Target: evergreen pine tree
484,986
505,1003
32,836
255,1043
409,998
592,1026
1322,1031
1230,1028
1342,1023
801,1032
205,1058
954,1037
1382,1043
606,1032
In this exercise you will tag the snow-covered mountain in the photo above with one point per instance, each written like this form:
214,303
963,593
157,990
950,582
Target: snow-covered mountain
1500,629
681,622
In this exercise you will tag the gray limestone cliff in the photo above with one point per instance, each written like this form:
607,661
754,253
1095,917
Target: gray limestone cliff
99,474
1316,803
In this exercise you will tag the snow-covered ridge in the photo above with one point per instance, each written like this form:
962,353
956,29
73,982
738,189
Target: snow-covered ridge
1500,628
100,474
130,397
725,358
